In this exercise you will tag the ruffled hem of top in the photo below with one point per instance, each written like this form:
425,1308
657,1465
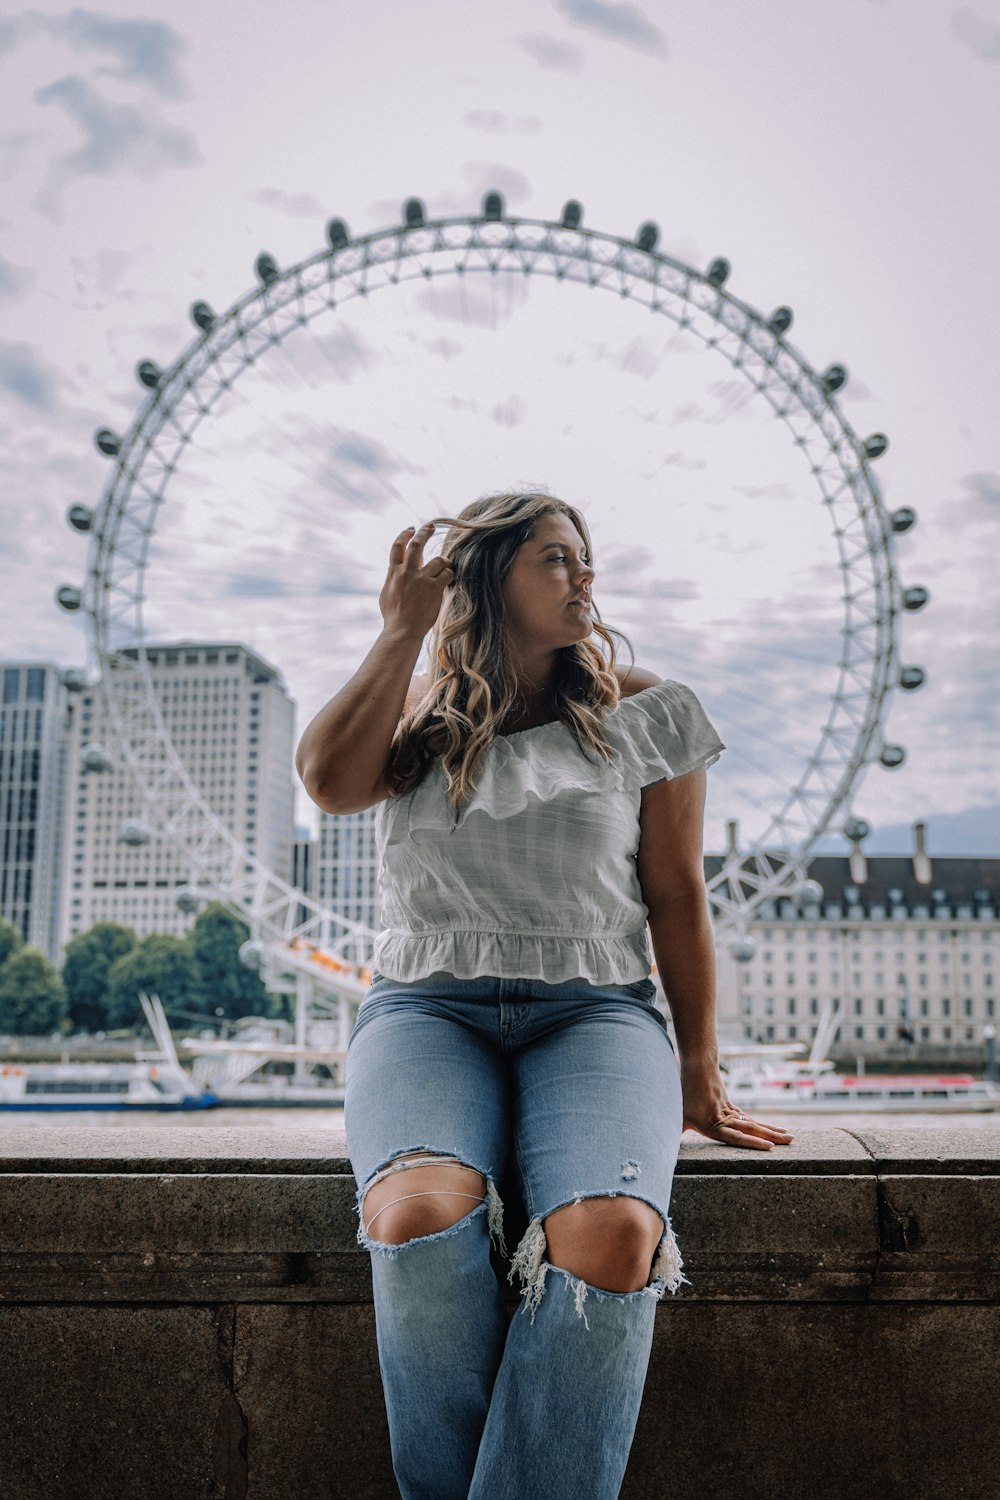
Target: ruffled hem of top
660,732
405,956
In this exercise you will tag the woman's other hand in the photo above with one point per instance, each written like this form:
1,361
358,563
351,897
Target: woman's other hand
411,596
707,1109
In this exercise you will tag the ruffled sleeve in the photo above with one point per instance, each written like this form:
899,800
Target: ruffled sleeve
662,732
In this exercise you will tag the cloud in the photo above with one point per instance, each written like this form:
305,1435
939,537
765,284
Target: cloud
14,279
26,377
147,51
509,413
296,205
984,486
549,53
497,123
620,23
981,37
116,137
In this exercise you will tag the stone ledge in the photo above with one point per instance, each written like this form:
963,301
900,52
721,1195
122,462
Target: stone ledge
186,1313
260,1215
948,1149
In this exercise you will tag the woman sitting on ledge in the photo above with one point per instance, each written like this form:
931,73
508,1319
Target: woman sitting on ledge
537,808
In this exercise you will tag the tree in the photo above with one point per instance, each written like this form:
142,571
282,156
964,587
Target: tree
223,980
10,940
32,998
86,962
158,964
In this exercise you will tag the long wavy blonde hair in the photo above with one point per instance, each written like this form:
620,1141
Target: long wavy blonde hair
473,688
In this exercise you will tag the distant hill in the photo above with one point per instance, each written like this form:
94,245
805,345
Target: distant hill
975,830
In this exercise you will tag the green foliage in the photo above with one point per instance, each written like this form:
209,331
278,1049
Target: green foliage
10,940
224,982
86,963
32,998
161,964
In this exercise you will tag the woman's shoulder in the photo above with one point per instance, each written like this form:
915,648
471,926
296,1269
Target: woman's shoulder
632,680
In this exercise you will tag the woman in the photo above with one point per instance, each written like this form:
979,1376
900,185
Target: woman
538,808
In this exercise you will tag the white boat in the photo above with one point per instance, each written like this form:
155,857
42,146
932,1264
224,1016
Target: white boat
757,1086
771,1076
155,1080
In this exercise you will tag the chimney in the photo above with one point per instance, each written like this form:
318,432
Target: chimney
921,859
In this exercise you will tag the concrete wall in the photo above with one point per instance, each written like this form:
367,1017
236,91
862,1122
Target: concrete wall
185,1313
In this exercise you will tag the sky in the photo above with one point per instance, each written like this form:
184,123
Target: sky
840,155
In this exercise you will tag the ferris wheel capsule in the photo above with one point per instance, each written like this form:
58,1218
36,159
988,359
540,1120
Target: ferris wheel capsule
810,892
202,316
915,597
493,206
834,378
73,680
68,597
413,213
892,756
856,829
94,757
337,234
251,953
648,235
781,320
188,899
912,677
80,517
572,214
267,268
133,832
743,948
875,445
107,442
718,271
903,518
149,374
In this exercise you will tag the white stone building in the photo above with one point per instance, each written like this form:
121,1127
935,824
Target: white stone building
231,722
908,945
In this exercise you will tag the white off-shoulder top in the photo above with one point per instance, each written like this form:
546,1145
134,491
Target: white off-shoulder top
537,877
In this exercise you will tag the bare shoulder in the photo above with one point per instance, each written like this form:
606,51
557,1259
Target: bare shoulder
632,680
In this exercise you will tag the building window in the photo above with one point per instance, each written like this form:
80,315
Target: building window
11,684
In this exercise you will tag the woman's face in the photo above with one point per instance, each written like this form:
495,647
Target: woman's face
550,571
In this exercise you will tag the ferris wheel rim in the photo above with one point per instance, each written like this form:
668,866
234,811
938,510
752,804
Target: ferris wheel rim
570,247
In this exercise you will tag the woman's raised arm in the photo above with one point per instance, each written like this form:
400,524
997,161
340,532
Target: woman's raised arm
342,755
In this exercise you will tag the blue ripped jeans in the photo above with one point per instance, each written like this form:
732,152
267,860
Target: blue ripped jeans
574,1088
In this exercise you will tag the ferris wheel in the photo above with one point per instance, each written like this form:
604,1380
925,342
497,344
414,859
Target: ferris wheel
309,938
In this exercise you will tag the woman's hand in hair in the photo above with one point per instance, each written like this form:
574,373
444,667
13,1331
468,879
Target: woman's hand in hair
411,596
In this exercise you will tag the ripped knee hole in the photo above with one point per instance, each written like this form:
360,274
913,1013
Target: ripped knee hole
438,1167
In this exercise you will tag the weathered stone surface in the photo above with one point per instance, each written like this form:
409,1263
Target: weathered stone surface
954,1150
110,1403
839,1336
850,1402
772,1237
309,1386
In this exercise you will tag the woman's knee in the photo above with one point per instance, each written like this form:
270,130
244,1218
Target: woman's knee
412,1202
608,1242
